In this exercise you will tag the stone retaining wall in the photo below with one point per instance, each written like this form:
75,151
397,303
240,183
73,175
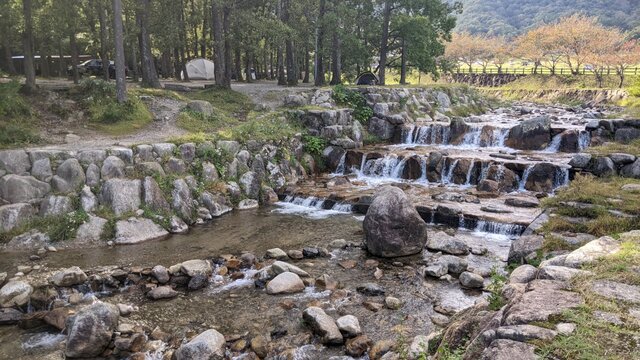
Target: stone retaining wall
146,191
602,131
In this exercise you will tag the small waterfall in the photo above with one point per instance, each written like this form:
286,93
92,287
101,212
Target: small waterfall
499,136
423,169
310,202
461,222
561,177
470,172
409,137
584,140
525,176
341,207
387,167
340,167
484,171
472,137
554,146
446,176
499,228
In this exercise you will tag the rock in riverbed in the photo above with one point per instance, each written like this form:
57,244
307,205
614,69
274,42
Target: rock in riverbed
323,325
91,329
285,283
207,346
392,225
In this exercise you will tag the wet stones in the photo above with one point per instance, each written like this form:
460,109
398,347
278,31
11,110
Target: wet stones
15,293
523,247
522,202
69,277
91,329
349,326
323,325
277,253
162,292
196,267
209,345
471,281
531,134
440,241
161,274
285,283
370,289
392,225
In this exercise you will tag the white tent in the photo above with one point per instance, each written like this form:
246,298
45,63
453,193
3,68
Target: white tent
200,69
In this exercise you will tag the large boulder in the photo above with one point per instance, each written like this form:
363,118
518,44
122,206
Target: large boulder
15,293
41,170
14,215
15,162
631,170
503,349
90,330
183,201
122,196
30,240
602,166
323,325
136,230
250,184
56,205
207,346
381,128
532,134
392,225
541,178
216,204
591,251
153,197
200,106
91,231
524,246
17,188
112,168
69,177
285,283
196,267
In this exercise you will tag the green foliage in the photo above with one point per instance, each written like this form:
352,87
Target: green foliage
314,145
505,17
15,133
227,103
355,100
58,228
446,353
12,104
200,123
498,280
634,89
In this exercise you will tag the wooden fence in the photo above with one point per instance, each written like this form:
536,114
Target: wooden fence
539,71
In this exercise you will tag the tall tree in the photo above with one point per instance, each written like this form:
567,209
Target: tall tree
102,18
384,41
27,42
118,37
219,53
149,74
319,53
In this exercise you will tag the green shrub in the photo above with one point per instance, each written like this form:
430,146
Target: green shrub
314,145
17,133
355,100
498,280
12,104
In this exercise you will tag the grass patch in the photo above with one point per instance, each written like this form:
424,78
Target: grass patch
495,287
59,228
199,123
615,147
227,102
605,198
105,114
17,126
594,338
157,93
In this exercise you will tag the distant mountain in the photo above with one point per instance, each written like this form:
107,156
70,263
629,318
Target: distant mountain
512,17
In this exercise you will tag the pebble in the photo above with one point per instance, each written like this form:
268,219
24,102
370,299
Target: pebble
565,328
295,254
24,269
34,257
378,274
348,264
371,263
370,289
338,244
372,306
392,303
51,249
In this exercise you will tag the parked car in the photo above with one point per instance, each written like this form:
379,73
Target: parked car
93,67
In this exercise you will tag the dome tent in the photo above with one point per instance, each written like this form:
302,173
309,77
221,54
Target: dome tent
200,69
367,78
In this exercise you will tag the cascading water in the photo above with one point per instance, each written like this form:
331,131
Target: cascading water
312,207
560,178
431,134
448,175
470,172
584,140
472,137
340,168
525,177
554,146
499,136
499,228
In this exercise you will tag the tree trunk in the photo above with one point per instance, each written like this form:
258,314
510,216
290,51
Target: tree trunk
177,67
282,80
384,42
74,56
102,19
307,61
183,65
403,64
44,62
205,25
336,60
226,27
149,74
218,44
6,46
318,71
248,72
62,69
118,37
133,57
238,64
27,43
